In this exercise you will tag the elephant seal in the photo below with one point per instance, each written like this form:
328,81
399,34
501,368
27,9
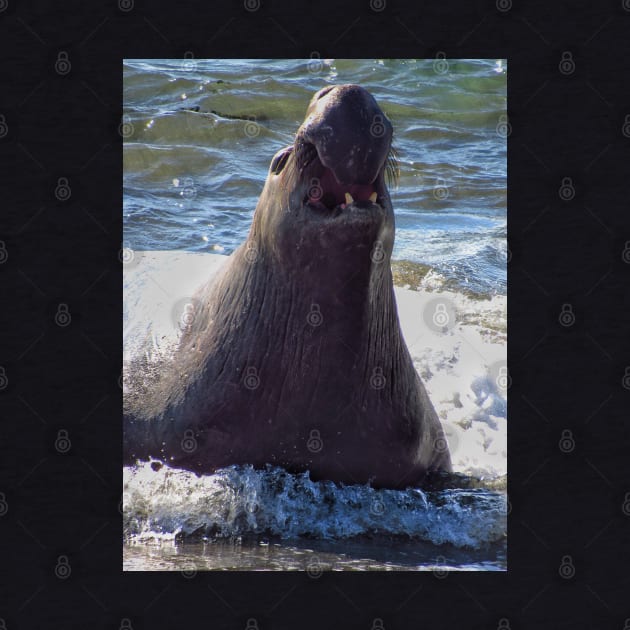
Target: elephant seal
293,356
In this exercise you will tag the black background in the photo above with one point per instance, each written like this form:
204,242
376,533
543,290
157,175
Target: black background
569,524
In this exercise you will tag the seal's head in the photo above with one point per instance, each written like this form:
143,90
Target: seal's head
328,189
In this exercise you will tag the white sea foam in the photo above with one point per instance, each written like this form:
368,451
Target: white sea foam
463,368
238,500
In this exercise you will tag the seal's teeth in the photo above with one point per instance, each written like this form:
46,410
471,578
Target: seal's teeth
373,197
349,198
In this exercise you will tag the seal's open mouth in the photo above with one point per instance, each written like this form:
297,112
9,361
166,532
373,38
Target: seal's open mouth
322,190
327,192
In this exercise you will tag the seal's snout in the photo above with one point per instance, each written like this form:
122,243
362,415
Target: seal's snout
346,135
351,133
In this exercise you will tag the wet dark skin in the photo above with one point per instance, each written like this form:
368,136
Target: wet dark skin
296,357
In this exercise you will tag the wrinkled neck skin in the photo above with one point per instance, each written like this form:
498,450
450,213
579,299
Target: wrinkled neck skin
323,289
334,272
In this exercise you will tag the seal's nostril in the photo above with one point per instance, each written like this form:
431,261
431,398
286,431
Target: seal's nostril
279,160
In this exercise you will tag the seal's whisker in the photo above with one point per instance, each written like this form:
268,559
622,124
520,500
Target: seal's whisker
305,153
392,170
291,180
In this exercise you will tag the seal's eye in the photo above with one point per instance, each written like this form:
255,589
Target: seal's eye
280,159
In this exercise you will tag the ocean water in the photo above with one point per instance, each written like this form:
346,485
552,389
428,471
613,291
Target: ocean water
246,519
192,179
191,182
